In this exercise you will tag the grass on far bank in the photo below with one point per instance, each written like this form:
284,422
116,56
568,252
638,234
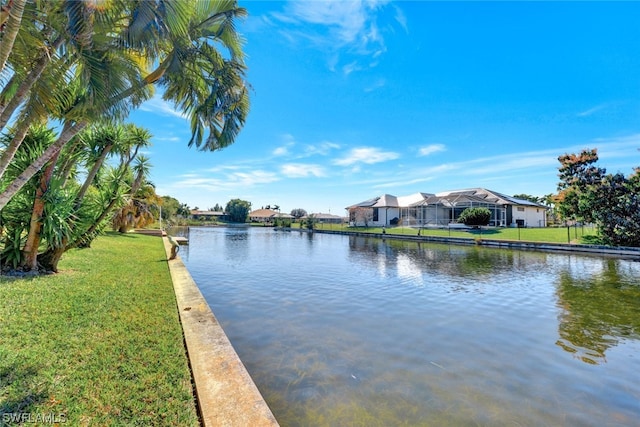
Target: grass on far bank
100,342
585,235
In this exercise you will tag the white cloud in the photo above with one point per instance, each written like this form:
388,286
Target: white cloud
167,138
350,68
401,18
368,155
321,149
288,142
333,26
157,105
430,149
348,22
376,85
280,151
232,180
396,184
301,170
592,111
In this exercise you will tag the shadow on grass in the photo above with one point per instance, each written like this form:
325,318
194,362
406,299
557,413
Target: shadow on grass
14,386
479,232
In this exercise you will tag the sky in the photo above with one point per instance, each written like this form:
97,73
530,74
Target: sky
354,99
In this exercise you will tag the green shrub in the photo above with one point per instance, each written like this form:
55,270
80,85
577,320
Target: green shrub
475,216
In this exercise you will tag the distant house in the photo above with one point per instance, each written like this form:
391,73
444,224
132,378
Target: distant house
265,215
208,215
442,209
325,218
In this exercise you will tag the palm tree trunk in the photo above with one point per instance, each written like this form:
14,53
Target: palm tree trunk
69,162
92,173
16,9
30,251
85,237
49,260
68,132
10,151
34,74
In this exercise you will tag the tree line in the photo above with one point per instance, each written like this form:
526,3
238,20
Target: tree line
70,73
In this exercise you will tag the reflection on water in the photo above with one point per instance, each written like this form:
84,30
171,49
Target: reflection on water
339,330
600,306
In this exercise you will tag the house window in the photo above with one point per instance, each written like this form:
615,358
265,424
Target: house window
520,209
375,214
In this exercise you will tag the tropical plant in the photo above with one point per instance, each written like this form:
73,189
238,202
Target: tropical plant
106,44
19,217
139,211
475,216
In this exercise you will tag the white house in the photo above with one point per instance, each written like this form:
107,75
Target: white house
442,209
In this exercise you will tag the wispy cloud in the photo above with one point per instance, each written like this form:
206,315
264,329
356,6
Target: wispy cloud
430,149
335,26
401,183
157,105
167,138
401,18
592,111
322,149
233,180
367,155
301,170
381,82
288,142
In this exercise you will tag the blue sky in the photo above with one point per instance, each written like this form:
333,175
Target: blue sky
354,99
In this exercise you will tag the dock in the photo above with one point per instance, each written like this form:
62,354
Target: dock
181,240
156,232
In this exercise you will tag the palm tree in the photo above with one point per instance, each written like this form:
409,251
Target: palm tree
125,141
100,141
93,72
18,218
13,13
138,211
209,88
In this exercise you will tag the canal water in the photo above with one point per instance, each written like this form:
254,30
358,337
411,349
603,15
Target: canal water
343,331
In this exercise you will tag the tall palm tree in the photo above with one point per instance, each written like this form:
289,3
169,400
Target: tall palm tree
18,219
209,88
101,141
13,13
118,190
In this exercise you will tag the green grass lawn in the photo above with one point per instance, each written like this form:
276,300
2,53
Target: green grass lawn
553,235
100,342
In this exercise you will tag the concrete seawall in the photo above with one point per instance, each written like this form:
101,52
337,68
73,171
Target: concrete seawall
225,393
619,252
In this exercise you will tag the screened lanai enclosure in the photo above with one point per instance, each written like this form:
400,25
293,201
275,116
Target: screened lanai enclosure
440,211
444,209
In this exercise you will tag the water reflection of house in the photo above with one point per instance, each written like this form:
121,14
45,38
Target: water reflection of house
208,215
442,209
